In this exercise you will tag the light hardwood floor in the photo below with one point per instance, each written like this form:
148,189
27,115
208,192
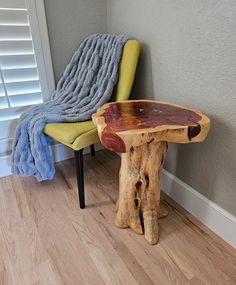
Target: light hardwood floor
46,239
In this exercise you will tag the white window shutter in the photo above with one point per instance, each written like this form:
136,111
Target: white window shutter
23,72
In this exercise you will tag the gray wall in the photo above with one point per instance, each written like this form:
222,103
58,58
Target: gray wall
69,22
189,57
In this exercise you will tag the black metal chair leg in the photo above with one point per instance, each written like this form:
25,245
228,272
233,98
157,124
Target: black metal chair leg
80,176
92,149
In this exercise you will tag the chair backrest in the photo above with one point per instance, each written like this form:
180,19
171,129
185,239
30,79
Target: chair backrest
127,68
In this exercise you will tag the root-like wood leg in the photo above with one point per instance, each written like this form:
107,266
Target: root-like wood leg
138,206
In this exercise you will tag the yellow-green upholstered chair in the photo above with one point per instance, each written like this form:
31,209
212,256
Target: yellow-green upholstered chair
82,134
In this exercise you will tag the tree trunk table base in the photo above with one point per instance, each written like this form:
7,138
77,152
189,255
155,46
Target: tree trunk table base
140,130
138,205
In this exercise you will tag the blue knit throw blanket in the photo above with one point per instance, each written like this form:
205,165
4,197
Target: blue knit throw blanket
85,85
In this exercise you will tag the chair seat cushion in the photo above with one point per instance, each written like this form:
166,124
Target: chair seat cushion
68,132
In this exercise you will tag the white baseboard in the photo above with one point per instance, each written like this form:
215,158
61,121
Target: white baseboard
59,151
213,216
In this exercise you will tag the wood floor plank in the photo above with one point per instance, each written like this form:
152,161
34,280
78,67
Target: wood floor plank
59,237
45,238
48,275
6,276
16,255
22,203
105,257
204,250
33,241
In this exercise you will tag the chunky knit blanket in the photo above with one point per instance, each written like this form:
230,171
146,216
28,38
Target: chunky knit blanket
86,84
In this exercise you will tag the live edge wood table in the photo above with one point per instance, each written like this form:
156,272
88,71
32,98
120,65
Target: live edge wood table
140,130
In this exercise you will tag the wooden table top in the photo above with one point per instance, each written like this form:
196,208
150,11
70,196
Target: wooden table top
122,125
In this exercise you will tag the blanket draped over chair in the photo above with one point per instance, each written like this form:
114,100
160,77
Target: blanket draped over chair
85,85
